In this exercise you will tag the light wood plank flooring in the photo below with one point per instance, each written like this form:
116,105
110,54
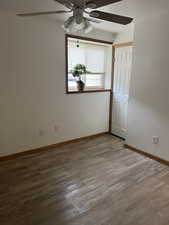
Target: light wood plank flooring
92,182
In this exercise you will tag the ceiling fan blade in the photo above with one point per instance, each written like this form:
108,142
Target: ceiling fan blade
94,4
43,13
111,17
67,3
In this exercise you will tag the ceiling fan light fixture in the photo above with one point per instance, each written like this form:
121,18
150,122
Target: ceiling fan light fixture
88,27
71,26
68,24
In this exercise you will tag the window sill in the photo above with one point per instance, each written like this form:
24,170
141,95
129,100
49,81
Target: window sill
88,91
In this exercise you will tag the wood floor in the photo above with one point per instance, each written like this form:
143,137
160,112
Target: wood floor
92,182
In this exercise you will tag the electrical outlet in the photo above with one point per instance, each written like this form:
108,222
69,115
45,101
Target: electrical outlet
155,140
41,132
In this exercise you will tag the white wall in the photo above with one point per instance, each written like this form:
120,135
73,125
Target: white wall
127,35
149,107
101,35
32,88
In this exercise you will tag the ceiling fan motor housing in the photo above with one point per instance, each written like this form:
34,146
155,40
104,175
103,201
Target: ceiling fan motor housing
78,14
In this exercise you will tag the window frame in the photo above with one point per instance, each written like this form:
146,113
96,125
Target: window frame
67,36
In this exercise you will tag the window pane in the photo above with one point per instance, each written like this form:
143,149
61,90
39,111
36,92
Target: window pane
94,57
71,82
75,56
95,80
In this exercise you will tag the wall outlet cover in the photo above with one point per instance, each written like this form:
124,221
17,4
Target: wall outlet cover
155,140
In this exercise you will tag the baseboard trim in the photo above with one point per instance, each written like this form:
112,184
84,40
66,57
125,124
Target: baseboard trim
49,147
123,139
156,158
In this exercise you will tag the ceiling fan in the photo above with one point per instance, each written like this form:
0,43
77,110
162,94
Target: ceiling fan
78,22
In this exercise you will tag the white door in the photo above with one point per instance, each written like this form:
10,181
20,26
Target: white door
122,74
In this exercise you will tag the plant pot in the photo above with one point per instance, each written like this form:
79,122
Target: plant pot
80,85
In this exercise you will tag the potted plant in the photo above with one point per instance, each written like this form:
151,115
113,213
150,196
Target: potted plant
77,72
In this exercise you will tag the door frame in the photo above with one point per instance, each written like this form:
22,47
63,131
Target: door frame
114,46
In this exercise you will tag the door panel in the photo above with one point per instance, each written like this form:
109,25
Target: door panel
122,74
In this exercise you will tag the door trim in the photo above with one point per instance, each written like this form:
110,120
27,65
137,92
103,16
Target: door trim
111,93
124,44
114,46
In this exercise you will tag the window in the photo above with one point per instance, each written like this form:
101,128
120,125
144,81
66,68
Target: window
97,59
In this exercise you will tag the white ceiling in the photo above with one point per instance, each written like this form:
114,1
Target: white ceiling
132,8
